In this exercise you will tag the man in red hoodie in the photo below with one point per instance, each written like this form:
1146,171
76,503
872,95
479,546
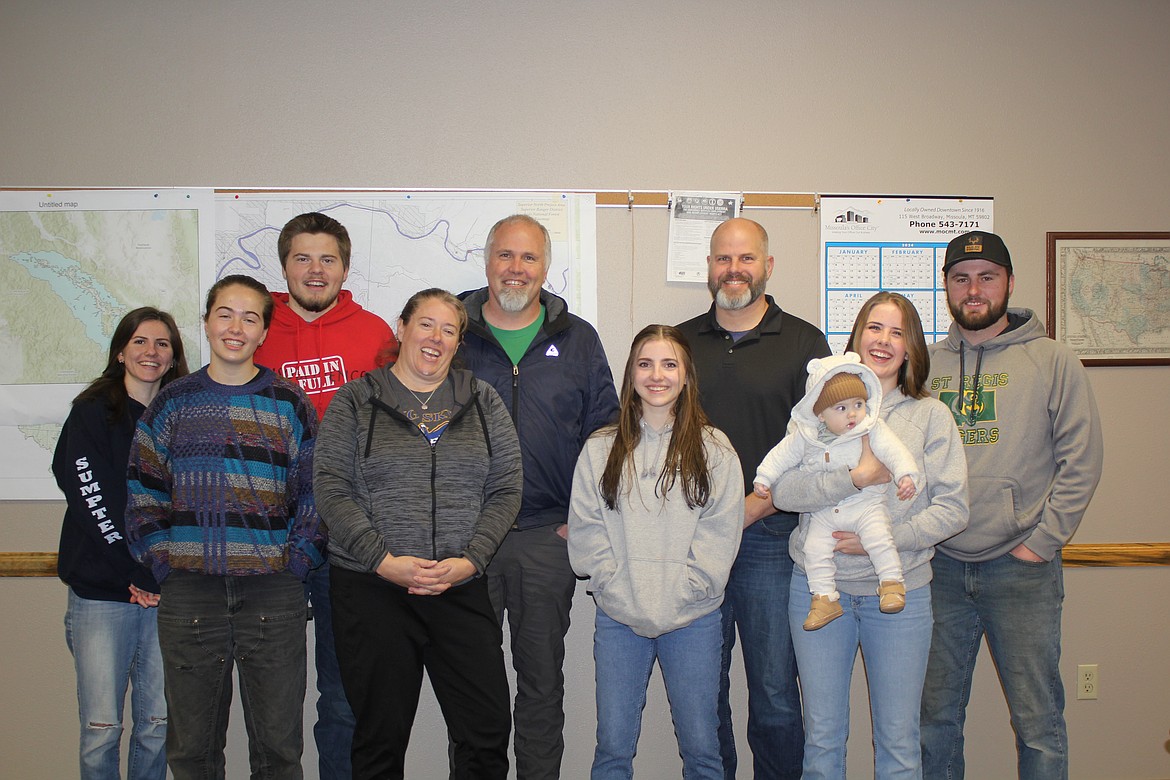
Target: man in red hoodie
322,338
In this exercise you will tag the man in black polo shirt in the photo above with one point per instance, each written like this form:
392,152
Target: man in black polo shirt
751,358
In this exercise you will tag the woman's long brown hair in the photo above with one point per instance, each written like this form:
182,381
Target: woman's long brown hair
686,458
915,369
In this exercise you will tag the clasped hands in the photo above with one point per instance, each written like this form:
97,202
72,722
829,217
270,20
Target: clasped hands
422,577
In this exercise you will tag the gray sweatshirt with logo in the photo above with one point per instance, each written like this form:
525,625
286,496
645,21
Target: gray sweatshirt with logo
1030,428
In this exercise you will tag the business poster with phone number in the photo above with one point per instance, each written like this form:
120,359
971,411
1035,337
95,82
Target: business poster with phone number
896,243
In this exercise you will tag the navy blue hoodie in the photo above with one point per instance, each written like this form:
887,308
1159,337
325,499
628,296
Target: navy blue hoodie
90,467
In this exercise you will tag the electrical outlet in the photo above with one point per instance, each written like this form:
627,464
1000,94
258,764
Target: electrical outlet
1087,681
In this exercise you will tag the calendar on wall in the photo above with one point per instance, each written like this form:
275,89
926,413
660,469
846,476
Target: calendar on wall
895,243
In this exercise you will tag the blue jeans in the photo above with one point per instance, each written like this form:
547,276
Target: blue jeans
208,624
1017,605
689,659
894,648
333,731
114,643
757,602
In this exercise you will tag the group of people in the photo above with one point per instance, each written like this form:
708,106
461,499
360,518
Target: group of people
901,500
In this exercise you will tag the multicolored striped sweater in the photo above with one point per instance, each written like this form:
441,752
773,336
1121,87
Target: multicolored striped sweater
221,479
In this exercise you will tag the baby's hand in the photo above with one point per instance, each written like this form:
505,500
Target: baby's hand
906,489
761,490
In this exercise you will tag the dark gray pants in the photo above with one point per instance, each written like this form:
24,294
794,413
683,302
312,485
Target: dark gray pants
531,579
207,624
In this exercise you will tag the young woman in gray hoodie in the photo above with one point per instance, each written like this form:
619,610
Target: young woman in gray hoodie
654,523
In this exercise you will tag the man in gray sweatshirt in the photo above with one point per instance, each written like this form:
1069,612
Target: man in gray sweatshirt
1030,429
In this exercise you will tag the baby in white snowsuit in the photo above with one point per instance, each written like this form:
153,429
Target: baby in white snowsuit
840,405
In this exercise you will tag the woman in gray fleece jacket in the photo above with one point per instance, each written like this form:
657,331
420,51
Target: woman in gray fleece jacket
654,522
418,477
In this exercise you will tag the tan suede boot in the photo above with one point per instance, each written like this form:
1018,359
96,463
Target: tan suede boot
822,612
891,596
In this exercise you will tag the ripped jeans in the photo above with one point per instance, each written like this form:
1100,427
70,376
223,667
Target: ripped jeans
115,645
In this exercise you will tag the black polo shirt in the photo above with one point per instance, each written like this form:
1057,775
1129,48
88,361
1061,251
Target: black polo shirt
749,387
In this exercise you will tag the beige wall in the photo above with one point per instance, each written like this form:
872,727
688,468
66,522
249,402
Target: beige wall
1057,109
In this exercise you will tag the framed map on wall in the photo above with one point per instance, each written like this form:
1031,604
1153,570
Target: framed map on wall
1109,296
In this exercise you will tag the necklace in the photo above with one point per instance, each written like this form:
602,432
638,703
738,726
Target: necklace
422,403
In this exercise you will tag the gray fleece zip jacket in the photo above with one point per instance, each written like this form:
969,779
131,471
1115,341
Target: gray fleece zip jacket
382,488
1029,425
653,563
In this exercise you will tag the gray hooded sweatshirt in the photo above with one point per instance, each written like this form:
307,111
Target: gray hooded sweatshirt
937,512
1029,425
653,563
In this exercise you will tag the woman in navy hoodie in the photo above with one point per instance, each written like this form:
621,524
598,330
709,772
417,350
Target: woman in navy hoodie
111,633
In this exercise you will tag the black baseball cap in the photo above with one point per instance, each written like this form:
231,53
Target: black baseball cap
977,245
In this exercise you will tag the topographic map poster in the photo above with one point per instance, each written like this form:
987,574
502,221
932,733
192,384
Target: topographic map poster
406,241
894,243
72,263
1109,296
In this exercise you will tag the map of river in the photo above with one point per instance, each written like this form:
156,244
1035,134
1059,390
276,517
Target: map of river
73,262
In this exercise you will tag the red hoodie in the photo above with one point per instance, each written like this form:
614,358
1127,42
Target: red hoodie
324,354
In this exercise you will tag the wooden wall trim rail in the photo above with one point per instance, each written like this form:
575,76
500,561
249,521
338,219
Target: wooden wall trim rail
28,564
1134,554
44,564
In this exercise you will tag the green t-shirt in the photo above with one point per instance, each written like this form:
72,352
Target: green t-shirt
516,342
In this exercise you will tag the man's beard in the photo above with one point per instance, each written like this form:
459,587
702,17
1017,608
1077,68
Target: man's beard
512,300
978,321
315,305
726,300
